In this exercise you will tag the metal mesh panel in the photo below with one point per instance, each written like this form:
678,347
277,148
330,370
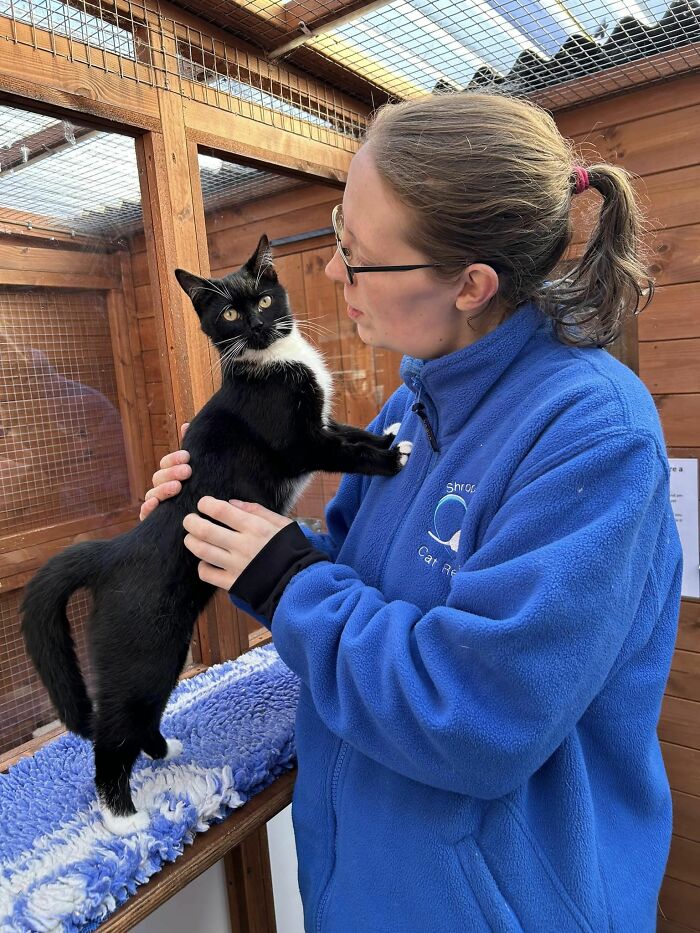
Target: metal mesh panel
24,704
62,450
226,184
550,50
547,49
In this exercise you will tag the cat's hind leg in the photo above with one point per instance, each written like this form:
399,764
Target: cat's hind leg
156,746
114,759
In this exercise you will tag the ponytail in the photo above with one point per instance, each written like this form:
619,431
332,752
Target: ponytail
591,301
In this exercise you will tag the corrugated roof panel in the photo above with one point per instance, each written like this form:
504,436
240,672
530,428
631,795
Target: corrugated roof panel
409,46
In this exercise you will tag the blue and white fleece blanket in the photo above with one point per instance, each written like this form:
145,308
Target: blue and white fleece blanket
62,870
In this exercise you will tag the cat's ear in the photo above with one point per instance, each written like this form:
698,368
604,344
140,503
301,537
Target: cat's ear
260,263
190,283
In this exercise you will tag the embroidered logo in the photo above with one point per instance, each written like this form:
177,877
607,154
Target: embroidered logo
448,518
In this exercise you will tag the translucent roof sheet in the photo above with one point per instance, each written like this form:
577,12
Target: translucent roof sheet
410,46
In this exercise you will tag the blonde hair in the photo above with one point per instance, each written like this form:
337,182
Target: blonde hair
488,178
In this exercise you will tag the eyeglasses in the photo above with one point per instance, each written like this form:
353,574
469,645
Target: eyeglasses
352,271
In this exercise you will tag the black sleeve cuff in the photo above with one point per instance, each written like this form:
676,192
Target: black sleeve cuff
264,580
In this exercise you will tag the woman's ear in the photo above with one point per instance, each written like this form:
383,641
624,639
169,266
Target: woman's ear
479,283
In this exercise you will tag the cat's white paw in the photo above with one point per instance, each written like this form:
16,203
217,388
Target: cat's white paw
393,429
175,748
405,448
123,825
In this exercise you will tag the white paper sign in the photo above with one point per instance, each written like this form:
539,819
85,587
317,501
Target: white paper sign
684,499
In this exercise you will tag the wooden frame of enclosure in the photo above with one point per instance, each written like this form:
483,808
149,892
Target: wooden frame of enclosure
171,120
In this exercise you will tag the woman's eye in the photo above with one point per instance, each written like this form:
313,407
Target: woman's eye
264,302
230,314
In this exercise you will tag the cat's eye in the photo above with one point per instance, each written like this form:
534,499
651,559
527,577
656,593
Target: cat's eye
230,314
264,302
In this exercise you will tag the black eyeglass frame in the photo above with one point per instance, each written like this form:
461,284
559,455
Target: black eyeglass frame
355,270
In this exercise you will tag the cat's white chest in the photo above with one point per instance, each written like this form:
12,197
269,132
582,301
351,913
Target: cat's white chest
295,349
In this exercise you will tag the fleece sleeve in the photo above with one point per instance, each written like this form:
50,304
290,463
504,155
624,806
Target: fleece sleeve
475,695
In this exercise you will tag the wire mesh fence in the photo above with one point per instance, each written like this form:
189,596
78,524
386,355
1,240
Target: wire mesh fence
557,52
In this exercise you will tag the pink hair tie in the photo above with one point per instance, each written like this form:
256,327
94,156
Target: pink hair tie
582,180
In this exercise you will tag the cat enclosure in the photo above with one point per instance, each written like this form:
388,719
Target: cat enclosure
138,137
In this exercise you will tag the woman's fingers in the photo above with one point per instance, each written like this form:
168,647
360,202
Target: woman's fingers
184,427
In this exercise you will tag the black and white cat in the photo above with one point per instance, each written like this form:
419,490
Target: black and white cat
258,439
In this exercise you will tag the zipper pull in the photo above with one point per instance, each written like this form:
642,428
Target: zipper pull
419,409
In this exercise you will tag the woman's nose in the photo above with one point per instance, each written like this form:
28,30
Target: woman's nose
335,270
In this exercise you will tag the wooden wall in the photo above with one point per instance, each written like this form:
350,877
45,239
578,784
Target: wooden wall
655,133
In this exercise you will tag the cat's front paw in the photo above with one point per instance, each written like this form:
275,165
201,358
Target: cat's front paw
404,448
393,429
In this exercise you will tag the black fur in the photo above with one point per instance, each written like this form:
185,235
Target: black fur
259,433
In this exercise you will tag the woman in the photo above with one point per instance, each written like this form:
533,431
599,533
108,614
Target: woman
483,640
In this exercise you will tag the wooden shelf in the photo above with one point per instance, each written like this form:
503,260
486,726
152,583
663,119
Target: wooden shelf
206,849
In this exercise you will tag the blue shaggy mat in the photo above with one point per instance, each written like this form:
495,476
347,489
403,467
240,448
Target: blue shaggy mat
62,870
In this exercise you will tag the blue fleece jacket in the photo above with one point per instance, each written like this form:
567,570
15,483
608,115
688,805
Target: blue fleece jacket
484,656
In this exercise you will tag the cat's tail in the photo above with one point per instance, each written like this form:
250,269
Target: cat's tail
47,633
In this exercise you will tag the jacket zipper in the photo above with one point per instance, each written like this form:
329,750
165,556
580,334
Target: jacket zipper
419,409
342,752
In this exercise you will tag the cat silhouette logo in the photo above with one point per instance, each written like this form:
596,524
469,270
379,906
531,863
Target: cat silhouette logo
447,521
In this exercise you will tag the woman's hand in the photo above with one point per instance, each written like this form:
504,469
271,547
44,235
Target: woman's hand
226,552
166,481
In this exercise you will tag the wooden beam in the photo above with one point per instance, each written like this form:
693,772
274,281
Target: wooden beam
73,77
27,259
26,225
249,885
38,145
267,146
311,19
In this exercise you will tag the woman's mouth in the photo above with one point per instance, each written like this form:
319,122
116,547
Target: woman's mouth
353,312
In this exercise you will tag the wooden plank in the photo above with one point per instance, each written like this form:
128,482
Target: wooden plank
321,309
267,146
206,849
126,392
68,532
28,226
680,721
684,679
276,205
674,94
70,280
682,766
147,465
25,258
674,255
679,902
671,366
249,885
650,144
684,861
686,815
689,626
56,73
673,314
667,199
232,247
666,926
